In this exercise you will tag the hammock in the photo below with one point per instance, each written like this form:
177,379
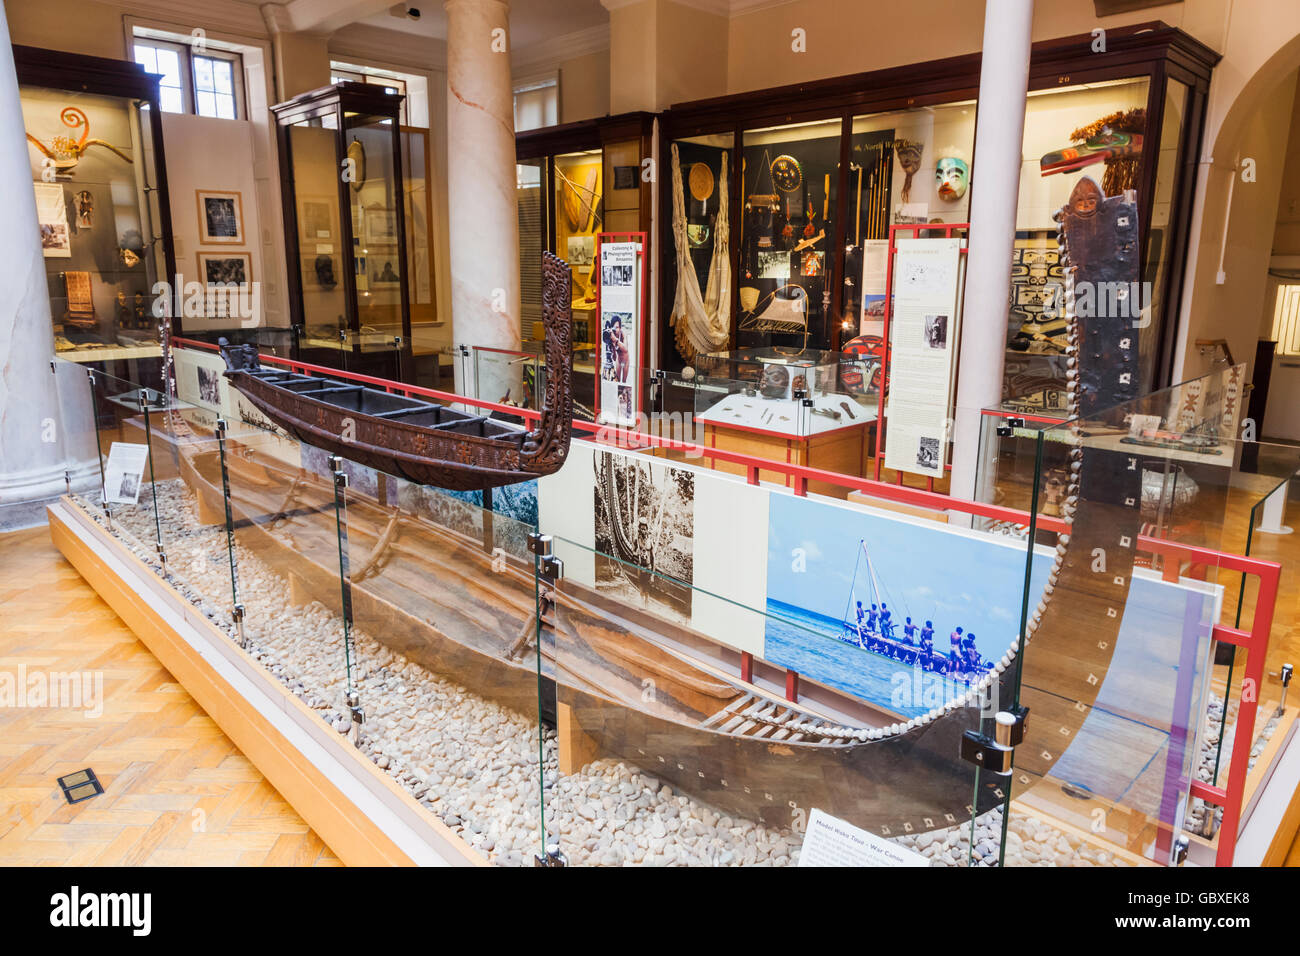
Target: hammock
702,321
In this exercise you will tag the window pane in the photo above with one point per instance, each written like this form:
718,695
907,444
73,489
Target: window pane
225,106
205,103
202,73
146,57
169,99
169,65
223,76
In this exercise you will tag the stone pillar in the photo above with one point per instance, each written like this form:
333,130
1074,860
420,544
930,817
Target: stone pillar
995,188
481,205
36,437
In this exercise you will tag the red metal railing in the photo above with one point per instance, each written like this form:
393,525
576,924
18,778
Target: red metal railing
1230,797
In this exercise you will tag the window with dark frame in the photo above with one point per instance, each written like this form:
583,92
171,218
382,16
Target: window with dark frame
205,83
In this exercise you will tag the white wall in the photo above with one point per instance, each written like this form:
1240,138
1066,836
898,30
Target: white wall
212,154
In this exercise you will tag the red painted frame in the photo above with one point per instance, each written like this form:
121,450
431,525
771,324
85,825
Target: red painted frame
1255,640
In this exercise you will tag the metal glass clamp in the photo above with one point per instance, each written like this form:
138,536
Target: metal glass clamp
553,857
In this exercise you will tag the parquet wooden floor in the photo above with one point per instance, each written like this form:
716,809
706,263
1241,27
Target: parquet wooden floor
177,791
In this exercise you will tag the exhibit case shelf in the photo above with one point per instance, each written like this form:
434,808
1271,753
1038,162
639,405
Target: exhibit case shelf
644,659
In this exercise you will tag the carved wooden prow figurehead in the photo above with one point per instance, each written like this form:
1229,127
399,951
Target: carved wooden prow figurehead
239,358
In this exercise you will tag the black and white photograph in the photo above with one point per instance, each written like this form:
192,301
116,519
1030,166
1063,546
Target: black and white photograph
936,331
774,264
645,534
129,488
927,453
209,386
225,268
581,250
616,275
221,217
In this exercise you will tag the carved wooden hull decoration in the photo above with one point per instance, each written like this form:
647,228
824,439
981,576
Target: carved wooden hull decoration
437,598
420,441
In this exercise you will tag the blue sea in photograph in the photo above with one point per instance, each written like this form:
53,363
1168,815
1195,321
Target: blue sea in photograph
817,570
809,644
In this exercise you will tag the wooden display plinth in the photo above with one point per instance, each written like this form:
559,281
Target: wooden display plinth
842,450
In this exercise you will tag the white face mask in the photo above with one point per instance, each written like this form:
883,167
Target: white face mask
951,176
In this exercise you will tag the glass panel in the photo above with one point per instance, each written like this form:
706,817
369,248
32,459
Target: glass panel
622,197
790,174
530,198
731,663
203,78
906,166
1118,727
169,65
579,215
428,333
1081,131
377,245
95,223
147,57
223,76
444,650
699,254
320,244
1160,241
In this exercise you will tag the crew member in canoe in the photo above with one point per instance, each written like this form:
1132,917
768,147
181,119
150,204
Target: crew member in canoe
954,651
886,625
909,632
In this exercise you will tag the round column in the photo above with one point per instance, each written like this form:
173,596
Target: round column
482,215
995,189
35,431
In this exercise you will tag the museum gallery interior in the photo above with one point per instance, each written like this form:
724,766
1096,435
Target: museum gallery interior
650,432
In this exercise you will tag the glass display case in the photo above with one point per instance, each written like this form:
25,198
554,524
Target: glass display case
94,139
345,211
785,276
572,182
818,174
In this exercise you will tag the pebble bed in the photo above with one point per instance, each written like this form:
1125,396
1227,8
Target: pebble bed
474,763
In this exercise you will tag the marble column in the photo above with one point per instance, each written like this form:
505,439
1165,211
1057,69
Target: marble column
995,189
40,436
482,215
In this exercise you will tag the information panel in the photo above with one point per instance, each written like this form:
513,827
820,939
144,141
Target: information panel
620,335
923,352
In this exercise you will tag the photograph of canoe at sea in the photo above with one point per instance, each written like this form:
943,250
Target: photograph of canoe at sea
900,612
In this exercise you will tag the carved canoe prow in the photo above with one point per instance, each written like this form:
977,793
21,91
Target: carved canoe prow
416,439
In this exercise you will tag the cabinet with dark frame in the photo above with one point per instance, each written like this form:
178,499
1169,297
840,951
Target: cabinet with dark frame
333,108
1153,51
541,147
100,76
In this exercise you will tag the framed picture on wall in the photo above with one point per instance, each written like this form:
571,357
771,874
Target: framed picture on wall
225,267
221,217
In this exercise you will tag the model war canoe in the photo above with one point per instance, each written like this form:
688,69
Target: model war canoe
418,440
